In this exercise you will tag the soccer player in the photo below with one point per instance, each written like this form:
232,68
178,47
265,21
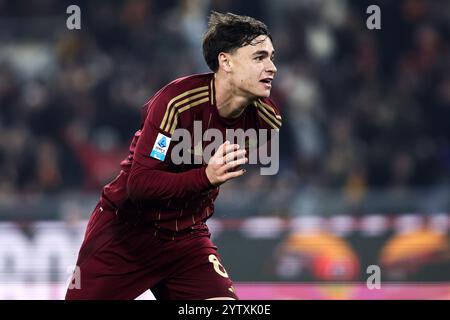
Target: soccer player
148,230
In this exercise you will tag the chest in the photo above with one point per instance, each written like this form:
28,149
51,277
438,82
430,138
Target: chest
203,131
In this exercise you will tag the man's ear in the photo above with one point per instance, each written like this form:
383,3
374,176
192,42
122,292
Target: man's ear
224,61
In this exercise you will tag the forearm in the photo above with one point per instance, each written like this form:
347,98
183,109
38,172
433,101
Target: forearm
148,184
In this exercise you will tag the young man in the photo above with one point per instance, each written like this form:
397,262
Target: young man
148,230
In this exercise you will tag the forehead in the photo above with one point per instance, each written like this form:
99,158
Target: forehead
260,43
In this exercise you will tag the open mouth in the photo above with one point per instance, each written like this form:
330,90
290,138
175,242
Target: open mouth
267,80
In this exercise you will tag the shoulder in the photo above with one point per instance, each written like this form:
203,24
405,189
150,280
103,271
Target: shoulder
188,86
268,103
178,96
268,112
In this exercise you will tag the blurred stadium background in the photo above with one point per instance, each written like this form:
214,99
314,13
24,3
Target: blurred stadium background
365,151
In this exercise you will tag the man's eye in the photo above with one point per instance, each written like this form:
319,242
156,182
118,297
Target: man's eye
259,58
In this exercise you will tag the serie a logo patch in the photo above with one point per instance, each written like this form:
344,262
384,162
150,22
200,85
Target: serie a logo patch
160,147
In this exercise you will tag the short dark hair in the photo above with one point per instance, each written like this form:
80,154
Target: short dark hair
228,32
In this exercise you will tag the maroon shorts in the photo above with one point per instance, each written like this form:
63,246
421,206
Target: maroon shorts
120,261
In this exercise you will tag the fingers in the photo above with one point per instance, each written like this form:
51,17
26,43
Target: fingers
235,155
226,153
229,148
233,164
224,165
221,149
226,148
234,174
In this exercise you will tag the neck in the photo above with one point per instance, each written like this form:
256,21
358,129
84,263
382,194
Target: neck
229,102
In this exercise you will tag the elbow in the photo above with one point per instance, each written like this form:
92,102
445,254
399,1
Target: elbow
133,190
141,185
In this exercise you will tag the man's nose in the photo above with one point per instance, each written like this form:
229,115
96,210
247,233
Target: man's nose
271,67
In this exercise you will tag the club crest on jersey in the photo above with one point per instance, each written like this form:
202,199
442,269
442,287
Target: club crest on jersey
160,147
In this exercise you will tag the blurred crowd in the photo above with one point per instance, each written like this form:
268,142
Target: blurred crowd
361,108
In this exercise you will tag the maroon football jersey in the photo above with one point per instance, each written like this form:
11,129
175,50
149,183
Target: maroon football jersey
176,197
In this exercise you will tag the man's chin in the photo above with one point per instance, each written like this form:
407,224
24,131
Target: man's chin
263,94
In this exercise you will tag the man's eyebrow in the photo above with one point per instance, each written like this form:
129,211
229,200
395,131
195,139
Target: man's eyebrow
263,52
